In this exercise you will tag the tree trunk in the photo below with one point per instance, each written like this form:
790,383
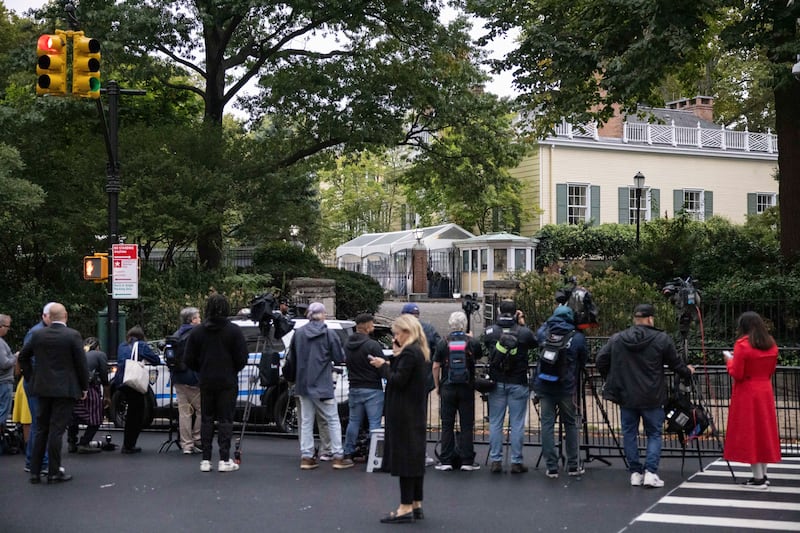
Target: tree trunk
787,126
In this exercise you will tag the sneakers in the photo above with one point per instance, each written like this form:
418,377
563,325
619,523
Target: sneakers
188,451
227,466
326,457
637,479
576,471
429,461
518,468
340,463
205,466
308,463
552,473
470,467
652,480
497,467
756,484
444,467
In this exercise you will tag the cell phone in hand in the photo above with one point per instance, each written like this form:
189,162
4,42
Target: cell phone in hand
727,353
370,357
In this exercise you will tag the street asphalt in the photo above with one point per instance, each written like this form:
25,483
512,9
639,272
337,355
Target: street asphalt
155,491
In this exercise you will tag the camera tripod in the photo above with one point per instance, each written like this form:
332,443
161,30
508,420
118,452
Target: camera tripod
687,391
173,423
584,423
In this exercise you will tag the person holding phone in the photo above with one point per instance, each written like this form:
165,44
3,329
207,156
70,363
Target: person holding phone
752,434
405,415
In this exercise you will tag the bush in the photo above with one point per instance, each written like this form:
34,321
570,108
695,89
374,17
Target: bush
355,293
569,242
284,261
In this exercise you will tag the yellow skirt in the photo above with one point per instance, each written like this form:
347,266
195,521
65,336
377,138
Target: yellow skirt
21,412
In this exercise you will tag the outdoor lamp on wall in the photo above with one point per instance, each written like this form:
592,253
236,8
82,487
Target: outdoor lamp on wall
418,233
638,183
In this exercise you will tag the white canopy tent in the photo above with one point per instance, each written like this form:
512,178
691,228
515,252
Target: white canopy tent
387,256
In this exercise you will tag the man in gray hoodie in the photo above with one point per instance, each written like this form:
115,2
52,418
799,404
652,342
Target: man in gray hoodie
316,349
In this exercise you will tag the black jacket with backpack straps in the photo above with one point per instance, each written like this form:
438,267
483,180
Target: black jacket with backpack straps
516,371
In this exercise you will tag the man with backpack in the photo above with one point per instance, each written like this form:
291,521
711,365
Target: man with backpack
186,383
562,356
453,378
507,343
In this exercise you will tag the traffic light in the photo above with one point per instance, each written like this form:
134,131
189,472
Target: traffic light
85,66
51,65
95,267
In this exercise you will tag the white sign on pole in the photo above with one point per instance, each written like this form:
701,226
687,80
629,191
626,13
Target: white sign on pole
125,271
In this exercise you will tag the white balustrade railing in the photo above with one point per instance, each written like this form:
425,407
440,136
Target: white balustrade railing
661,134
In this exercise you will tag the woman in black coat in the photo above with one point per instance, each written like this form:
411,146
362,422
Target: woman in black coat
405,409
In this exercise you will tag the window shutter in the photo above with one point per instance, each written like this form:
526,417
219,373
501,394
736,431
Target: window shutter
655,204
752,200
623,194
677,201
708,201
595,207
561,203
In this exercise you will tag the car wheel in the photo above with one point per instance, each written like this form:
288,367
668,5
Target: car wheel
286,413
119,409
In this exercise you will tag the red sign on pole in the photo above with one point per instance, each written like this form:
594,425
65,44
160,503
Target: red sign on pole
125,272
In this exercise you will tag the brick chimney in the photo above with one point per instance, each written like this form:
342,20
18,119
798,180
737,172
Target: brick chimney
701,106
612,128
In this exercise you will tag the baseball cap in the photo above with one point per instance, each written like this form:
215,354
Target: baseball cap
644,310
410,309
315,308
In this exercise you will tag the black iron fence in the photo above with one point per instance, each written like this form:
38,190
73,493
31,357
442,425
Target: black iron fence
601,434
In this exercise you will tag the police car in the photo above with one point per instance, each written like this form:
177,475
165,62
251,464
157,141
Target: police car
267,405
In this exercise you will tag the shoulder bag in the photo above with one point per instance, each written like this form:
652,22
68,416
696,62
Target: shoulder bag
136,375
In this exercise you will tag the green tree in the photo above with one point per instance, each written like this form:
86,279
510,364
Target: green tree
577,58
358,196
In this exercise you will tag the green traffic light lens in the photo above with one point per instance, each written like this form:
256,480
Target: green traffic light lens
94,84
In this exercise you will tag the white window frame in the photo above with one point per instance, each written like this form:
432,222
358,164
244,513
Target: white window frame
699,212
765,200
644,207
586,208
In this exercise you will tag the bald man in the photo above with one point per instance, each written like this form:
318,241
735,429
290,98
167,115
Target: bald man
59,377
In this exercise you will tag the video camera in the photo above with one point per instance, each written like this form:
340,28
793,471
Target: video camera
264,310
579,299
470,304
683,294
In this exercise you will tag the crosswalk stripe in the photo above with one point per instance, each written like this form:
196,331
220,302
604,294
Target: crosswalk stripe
744,523
726,473
717,502
738,488
781,465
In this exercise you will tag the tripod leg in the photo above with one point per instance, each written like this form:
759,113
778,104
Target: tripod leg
173,423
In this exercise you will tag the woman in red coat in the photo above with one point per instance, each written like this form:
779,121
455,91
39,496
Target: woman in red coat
752,435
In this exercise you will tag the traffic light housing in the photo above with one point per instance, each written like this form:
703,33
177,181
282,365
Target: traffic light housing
95,268
51,64
85,66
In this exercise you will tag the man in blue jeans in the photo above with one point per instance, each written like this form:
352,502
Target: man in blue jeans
555,385
366,387
508,342
632,362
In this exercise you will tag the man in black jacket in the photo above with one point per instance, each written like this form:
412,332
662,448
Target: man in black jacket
632,362
366,388
217,351
508,367
59,377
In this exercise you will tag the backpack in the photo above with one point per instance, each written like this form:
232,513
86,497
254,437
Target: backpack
457,360
553,356
505,349
175,352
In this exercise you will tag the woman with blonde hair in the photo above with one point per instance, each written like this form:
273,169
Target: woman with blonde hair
405,410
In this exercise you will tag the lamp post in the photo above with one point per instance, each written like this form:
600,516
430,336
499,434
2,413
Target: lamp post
638,183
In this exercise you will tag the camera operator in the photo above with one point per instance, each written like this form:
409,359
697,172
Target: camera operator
632,363
507,343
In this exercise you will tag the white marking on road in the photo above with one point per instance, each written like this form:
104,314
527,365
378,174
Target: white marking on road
719,521
717,502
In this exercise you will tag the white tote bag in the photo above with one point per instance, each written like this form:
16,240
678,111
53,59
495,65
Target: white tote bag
136,375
